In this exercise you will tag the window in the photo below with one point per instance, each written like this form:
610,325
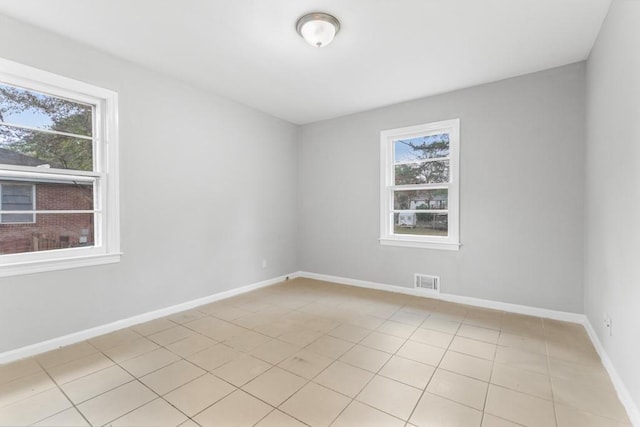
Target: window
419,185
17,197
58,172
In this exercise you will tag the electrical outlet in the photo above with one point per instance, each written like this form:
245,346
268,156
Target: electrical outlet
607,324
264,263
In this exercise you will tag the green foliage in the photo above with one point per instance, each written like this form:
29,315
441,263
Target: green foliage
60,151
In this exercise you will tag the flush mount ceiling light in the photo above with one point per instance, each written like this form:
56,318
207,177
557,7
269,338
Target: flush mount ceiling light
318,28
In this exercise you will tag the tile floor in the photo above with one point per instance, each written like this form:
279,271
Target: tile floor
312,353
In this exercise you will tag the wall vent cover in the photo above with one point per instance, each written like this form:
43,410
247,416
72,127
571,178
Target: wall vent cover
427,282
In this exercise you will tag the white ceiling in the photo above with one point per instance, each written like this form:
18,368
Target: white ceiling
387,51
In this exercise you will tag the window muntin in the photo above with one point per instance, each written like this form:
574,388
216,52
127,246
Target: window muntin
59,137
419,185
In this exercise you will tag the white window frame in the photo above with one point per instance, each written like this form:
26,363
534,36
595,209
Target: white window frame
104,177
33,206
387,186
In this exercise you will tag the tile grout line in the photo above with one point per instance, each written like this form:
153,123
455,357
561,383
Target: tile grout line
73,405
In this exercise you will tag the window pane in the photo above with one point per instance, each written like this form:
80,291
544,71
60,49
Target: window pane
422,224
421,199
49,232
434,172
424,147
37,110
54,196
32,148
16,197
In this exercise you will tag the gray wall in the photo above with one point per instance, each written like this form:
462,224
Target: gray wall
233,167
612,227
521,203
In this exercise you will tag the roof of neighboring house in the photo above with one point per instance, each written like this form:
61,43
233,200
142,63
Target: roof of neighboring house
9,157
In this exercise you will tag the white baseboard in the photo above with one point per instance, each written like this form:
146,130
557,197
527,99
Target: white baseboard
621,389
476,302
52,344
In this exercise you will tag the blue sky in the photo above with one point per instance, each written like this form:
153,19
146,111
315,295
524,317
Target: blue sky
404,153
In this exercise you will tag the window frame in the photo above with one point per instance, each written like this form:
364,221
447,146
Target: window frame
33,205
388,187
104,177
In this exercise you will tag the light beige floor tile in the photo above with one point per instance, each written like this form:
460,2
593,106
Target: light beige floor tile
189,423
571,417
130,349
247,341
407,371
522,359
279,419
153,326
422,353
401,330
350,333
431,337
275,351
237,409
315,405
172,376
330,346
467,365
277,327
22,368
301,337
519,407
409,317
274,386
241,370
186,316
223,330
305,363
535,345
365,358
597,399
89,386
592,373
78,368
227,313
253,320
213,357
480,334
66,354
155,413
24,387
200,393
104,342
115,403
390,396
441,325
433,410
35,408
489,420
358,414
344,378
582,353
459,388
521,380
473,347
367,322
149,362
67,418
191,345
383,342
171,335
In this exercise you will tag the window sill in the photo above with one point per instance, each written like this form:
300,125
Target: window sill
446,246
17,269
